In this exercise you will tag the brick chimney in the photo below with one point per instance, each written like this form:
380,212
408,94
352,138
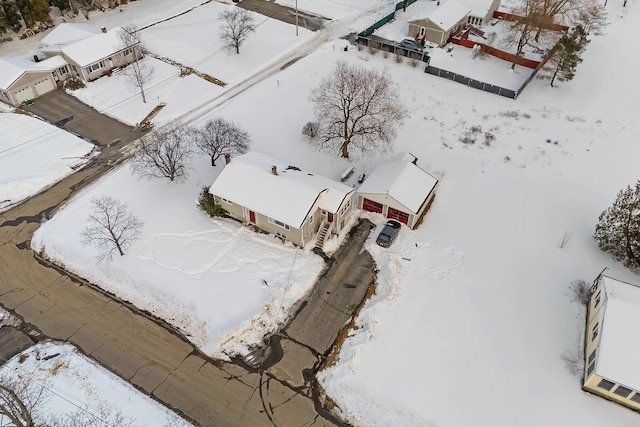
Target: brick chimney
104,29
274,170
227,159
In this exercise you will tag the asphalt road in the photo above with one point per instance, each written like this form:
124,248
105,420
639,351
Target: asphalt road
284,13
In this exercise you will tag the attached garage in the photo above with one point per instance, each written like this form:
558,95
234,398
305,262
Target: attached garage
21,80
398,189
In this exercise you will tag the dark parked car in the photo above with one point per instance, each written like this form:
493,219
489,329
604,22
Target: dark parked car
388,233
411,45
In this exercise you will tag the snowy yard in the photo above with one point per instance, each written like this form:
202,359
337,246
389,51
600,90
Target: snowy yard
34,155
74,384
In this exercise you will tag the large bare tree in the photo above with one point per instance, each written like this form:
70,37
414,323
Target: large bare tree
356,107
218,137
112,227
164,153
139,71
237,24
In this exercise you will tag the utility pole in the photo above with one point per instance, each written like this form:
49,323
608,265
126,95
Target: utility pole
296,17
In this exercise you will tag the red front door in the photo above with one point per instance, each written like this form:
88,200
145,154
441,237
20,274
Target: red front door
252,217
329,217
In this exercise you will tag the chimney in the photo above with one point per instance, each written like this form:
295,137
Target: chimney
274,170
227,159
104,29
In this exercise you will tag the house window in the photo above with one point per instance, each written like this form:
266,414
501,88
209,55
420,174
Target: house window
226,201
594,332
597,299
591,368
636,398
95,67
128,51
592,356
605,384
345,207
281,235
279,223
5,94
622,391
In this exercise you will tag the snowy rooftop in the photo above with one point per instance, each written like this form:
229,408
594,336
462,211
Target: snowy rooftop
478,7
619,343
66,33
402,180
12,68
54,62
94,48
447,15
287,197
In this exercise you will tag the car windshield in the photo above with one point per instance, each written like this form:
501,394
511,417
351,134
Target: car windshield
384,237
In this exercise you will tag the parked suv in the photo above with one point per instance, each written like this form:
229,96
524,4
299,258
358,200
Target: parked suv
388,233
411,45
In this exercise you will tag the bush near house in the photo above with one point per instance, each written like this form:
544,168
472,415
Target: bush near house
207,203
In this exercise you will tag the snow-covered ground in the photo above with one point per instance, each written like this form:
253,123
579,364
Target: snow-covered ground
73,384
473,320
34,155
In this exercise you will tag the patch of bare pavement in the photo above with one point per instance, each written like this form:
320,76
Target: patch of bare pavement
150,354
284,13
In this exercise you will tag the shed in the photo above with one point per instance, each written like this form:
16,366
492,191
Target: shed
398,189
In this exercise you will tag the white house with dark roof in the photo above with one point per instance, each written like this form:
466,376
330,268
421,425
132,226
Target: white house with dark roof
90,54
398,189
612,347
22,80
282,199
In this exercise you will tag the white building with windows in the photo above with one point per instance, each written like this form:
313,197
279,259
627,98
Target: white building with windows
281,199
91,52
612,347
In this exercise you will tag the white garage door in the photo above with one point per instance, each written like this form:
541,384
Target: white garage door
24,94
44,86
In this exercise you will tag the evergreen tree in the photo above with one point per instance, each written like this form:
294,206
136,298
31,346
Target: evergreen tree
60,4
565,56
34,11
11,15
618,228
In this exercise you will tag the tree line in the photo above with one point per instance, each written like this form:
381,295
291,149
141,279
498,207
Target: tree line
35,14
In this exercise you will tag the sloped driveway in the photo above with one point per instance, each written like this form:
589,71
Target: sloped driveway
67,112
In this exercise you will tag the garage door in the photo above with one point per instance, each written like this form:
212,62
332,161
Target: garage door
44,86
371,206
24,94
399,215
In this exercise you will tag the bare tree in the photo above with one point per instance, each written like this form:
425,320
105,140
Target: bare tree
164,153
138,72
21,401
356,107
592,17
112,227
237,24
104,416
521,31
218,137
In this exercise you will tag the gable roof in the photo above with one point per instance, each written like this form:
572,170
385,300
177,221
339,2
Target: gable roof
619,344
449,14
401,179
67,33
11,69
95,48
287,197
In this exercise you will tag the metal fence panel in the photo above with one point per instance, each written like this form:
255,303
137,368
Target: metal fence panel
461,79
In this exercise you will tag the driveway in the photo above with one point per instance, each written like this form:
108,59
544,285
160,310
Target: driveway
284,13
67,112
